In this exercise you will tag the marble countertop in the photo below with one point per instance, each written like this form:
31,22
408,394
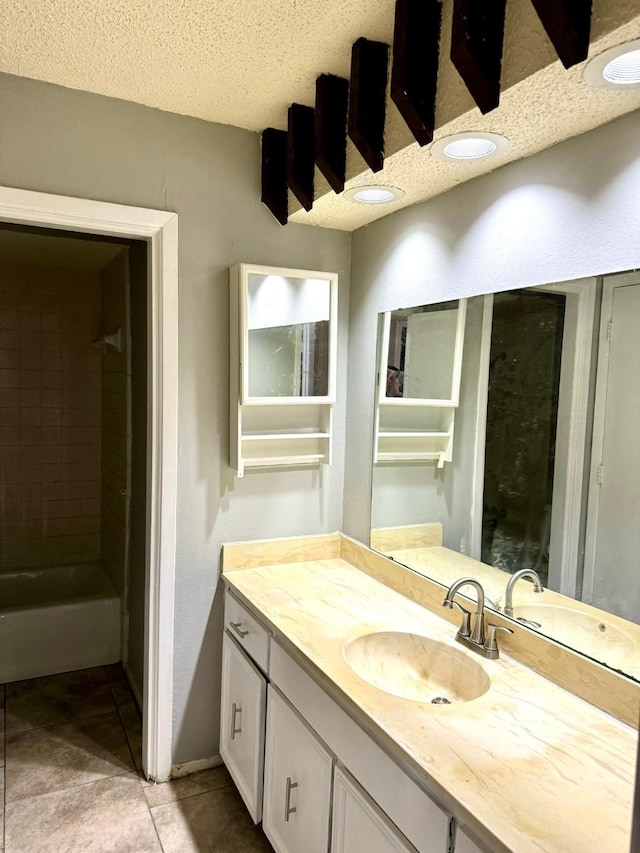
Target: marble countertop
528,765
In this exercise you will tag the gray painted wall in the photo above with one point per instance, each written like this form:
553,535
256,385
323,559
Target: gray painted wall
568,212
62,141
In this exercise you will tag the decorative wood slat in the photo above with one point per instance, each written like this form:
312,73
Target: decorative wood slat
568,25
476,48
300,153
367,99
332,103
414,74
275,193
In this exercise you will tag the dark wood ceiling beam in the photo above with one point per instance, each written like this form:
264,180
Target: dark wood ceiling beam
414,74
275,193
568,25
476,48
367,99
300,153
332,104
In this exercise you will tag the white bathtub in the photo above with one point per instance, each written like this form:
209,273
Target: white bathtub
56,620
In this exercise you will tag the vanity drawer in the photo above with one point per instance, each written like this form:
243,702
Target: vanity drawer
245,628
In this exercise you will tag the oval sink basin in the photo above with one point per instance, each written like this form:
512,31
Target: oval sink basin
414,667
585,631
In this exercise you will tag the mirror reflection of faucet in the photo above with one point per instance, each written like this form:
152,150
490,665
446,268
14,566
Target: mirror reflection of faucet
472,634
513,580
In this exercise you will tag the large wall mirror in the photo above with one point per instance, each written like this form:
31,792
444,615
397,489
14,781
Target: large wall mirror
545,469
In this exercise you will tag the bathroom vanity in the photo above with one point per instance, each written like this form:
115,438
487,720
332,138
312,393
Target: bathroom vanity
331,733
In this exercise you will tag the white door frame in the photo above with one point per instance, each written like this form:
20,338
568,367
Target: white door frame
482,398
567,513
609,284
160,230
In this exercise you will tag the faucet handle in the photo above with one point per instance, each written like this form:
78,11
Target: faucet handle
491,643
465,625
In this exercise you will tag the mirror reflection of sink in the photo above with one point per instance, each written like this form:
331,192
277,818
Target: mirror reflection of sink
586,631
414,667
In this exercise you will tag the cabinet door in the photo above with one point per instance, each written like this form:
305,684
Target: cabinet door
297,782
242,721
464,844
359,826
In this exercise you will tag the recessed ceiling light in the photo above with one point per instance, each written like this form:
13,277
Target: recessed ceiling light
373,194
473,145
616,68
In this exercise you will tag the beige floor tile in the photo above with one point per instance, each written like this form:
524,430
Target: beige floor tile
109,816
114,673
57,699
187,786
118,683
51,758
215,822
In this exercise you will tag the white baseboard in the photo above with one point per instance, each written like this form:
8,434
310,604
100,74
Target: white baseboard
187,767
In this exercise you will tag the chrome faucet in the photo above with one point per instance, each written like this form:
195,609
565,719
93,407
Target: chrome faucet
513,580
472,635
476,634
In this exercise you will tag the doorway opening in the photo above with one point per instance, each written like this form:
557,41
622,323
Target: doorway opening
152,240
72,451
522,413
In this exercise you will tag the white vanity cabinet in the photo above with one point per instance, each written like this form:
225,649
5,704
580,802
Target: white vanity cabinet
464,844
414,812
317,780
359,826
242,719
297,782
245,657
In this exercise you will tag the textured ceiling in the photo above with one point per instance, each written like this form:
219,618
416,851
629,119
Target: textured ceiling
239,62
242,62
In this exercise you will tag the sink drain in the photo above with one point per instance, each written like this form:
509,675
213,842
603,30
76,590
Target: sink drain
440,700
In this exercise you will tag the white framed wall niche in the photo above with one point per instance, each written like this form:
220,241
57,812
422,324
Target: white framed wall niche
283,344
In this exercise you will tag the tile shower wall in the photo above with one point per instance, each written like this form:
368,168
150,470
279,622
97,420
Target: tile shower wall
50,388
116,430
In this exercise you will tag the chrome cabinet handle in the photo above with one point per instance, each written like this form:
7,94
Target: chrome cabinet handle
234,712
288,808
236,627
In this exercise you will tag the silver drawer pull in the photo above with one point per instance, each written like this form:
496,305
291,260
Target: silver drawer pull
234,712
288,808
236,627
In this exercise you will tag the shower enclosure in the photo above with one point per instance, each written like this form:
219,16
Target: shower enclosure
65,451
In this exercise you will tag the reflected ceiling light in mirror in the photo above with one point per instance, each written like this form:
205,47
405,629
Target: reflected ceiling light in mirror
616,68
375,194
472,145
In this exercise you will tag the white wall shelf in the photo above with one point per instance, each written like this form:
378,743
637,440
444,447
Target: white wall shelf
410,427
283,366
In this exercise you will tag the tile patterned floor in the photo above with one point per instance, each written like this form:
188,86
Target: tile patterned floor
70,777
